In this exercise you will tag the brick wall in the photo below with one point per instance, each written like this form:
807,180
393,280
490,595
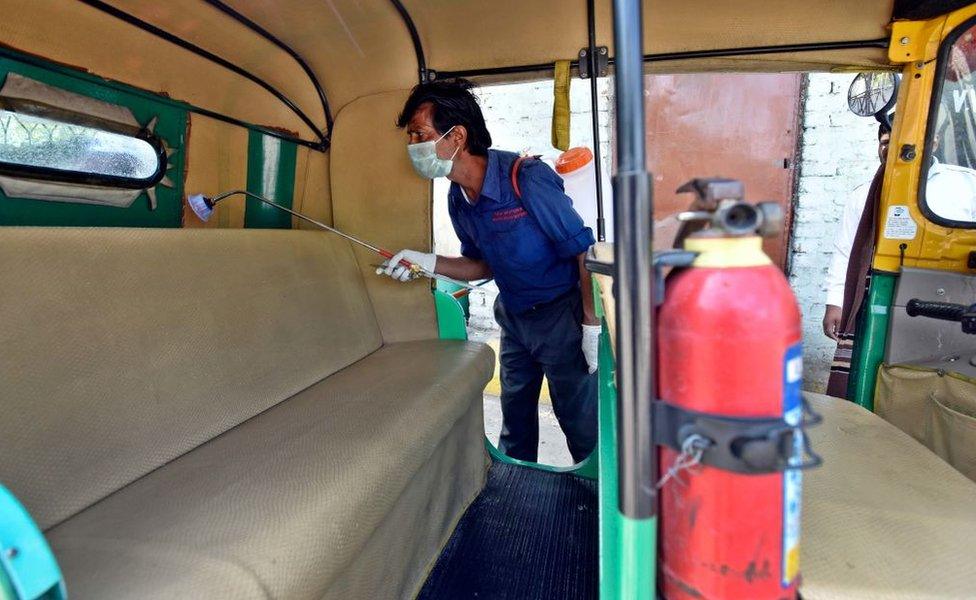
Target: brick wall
838,152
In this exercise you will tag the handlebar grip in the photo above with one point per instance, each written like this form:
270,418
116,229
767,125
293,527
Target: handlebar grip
945,311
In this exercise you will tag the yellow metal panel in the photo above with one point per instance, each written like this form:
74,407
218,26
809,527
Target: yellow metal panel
934,246
216,161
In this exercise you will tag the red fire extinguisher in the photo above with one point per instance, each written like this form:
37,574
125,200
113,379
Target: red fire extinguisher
730,369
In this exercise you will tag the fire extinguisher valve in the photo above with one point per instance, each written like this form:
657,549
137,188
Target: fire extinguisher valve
719,204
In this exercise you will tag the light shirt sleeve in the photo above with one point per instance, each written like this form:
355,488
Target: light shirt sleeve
843,242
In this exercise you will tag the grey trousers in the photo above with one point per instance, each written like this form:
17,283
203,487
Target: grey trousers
546,340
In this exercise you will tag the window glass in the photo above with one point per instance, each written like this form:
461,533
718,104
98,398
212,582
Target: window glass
35,142
950,183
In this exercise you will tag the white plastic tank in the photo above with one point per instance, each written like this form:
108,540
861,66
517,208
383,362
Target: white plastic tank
576,168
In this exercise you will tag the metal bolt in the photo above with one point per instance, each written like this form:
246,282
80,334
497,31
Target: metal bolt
904,41
940,292
919,65
952,358
582,52
603,50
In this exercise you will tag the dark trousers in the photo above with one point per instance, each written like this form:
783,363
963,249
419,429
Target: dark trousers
546,340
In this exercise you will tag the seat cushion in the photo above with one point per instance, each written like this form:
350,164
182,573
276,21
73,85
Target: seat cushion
883,517
122,349
345,490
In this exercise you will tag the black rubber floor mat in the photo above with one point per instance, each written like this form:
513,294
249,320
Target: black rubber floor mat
530,535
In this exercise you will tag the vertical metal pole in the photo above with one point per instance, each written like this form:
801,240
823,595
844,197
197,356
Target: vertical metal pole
601,227
634,276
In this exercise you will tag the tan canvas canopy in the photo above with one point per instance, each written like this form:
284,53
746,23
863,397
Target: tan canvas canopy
294,64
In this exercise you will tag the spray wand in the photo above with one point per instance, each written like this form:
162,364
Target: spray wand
203,206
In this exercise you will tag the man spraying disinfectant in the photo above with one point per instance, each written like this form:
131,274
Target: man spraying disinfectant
517,225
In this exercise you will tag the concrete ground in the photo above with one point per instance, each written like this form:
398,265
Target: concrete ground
552,443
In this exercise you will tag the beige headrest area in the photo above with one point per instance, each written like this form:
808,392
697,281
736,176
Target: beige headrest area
114,315
357,48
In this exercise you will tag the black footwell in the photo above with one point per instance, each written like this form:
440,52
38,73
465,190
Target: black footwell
530,535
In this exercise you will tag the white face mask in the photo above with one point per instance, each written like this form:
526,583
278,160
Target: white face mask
425,161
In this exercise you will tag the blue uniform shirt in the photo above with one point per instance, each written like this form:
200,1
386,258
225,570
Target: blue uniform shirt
530,244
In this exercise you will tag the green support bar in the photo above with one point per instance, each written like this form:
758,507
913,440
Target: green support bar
628,547
270,173
872,336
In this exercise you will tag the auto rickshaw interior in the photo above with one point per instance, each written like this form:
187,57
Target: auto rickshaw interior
241,408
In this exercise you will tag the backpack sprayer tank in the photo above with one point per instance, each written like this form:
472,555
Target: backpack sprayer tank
730,367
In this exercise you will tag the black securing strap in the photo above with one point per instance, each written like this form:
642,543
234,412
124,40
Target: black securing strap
739,444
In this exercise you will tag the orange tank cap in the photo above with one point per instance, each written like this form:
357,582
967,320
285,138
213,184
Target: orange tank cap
573,159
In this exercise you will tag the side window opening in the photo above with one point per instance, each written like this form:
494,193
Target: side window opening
65,147
50,148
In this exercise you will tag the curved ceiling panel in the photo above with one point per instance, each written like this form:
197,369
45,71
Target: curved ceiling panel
74,34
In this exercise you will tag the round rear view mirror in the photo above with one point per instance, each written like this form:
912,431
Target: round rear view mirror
872,94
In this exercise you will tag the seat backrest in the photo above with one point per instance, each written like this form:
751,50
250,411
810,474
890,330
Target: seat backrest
121,349
378,196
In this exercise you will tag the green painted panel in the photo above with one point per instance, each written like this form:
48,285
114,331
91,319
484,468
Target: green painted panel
451,324
872,337
170,127
586,469
450,288
270,173
628,547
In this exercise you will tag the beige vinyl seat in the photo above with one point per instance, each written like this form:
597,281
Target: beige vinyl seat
215,414
883,517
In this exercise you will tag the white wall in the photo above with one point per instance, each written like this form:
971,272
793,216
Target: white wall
519,117
838,152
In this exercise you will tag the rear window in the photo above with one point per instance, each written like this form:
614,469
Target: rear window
948,191
44,148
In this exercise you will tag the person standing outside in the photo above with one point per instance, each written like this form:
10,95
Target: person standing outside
517,225
835,322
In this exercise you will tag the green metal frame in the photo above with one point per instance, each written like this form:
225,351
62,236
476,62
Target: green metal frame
872,337
271,165
628,547
170,126
451,324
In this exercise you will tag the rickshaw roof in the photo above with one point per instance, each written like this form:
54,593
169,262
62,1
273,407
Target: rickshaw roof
293,64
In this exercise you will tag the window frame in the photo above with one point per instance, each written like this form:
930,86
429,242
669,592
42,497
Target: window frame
942,64
84,178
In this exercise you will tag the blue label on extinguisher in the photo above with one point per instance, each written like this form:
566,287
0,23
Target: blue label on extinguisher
792,478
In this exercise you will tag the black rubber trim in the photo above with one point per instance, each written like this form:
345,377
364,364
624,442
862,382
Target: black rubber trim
685,55
922,10
418,48
243,20
529,535
941,64
173,39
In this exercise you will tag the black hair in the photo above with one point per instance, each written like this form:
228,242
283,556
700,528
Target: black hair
885,126
453,104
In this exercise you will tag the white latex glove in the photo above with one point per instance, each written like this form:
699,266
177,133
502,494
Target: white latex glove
394,269
591,346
